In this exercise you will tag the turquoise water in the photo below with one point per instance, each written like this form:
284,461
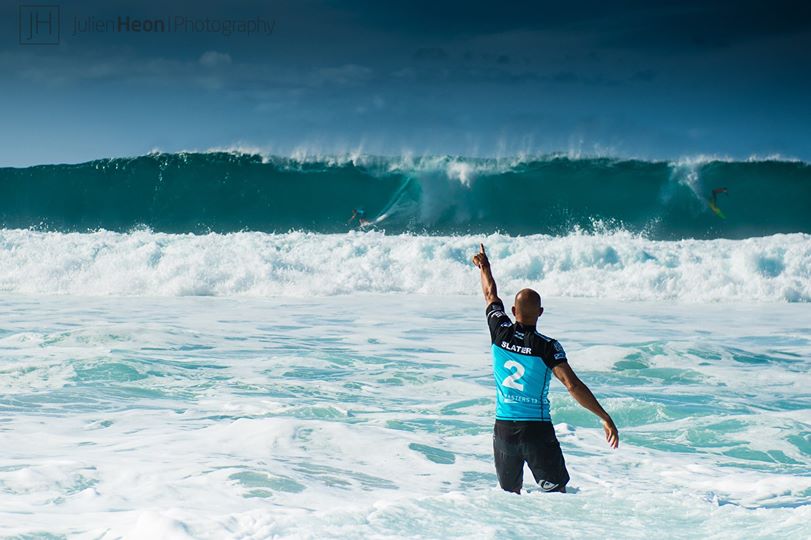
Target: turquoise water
199,345
229,192
369,416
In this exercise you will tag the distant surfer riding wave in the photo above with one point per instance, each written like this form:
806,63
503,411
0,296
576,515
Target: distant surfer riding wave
360,215
713,202
397,201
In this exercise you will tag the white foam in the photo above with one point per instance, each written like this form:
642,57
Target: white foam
240,429
612,265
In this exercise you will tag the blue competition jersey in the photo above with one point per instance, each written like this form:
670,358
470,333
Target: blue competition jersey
522,365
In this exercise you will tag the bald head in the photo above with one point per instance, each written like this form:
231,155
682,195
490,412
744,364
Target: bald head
527,307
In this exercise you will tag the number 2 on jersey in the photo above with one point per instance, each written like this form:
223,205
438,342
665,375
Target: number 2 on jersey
511,380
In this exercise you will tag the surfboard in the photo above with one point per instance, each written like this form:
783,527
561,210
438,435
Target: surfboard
716,210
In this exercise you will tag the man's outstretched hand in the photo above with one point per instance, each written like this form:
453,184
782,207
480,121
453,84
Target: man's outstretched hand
611,433
480,259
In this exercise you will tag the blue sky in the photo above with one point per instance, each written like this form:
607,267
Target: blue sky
658,80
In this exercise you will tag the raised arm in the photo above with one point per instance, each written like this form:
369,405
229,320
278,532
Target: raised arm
488,282
581,393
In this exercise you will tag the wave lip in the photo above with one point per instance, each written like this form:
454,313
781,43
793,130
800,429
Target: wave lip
616,265
228,192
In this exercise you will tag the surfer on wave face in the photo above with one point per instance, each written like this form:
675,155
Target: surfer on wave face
359,214
714,201
523,359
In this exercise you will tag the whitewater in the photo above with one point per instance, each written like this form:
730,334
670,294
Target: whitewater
616,265
200,346
371,417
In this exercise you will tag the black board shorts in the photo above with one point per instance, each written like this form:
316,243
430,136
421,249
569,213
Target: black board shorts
516,442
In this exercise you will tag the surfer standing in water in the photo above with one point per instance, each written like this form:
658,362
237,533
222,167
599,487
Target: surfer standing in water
523,359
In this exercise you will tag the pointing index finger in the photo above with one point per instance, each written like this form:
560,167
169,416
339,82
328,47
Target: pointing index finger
481,249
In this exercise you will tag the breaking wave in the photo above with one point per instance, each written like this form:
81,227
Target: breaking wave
228,192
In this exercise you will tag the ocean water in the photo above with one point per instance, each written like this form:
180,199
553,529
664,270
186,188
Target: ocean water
370,416
231,191
199,346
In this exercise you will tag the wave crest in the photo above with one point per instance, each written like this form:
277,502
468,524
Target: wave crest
437,195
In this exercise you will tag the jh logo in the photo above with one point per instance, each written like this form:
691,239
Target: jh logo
39,25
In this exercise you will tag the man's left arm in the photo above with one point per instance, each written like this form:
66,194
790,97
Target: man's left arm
583,395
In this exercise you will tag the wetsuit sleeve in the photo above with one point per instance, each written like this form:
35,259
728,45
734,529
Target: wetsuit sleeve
555,354
497,320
